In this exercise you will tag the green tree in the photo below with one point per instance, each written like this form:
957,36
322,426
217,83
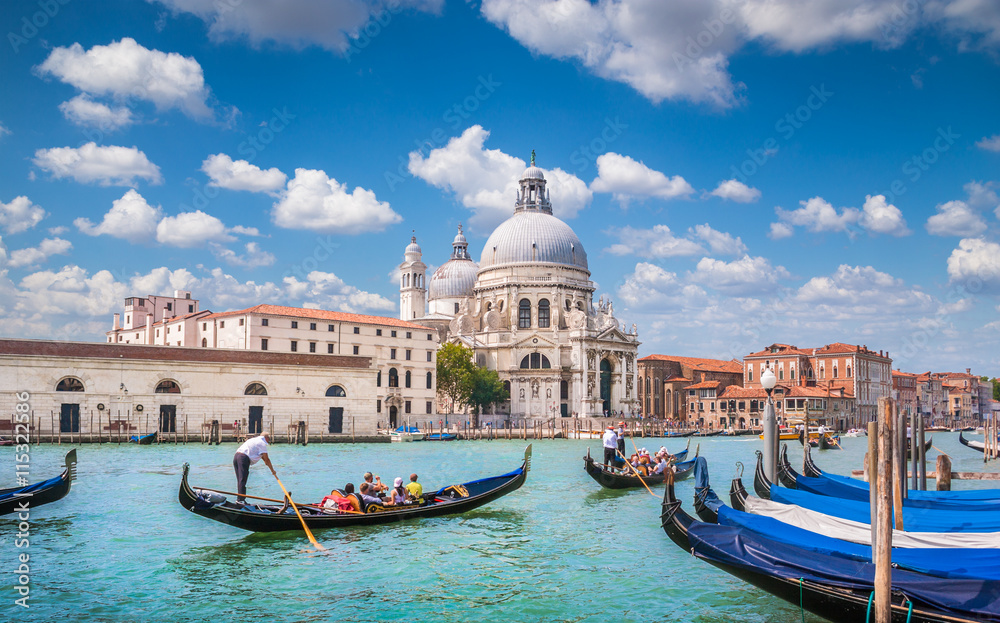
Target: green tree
484,388
996,390
454,367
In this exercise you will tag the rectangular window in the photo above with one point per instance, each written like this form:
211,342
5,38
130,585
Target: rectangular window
392,353
222,324
430,337
409,335
378,331
524,316
392,334
157,333
295,346
204,326
263,344
408,355
430,407
295,324
168,331
430,356
357,349
378,406
241,322
312,347
407,409
456,308
430,381
742,406
312,326
170,307
329,328
263,322
357,330
329,349
190,309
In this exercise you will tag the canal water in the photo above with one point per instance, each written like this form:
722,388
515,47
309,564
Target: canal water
121,548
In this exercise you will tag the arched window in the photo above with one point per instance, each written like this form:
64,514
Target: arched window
781,374
524,314
430,381
834,371
335,391
640,386
393,378
792,372
848,371
750,374
489,306
569,305
543,313
204,342
535,361
70,384
255,389
408,377
378,379
168,387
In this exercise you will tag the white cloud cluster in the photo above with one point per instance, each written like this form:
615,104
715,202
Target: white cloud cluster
486,180
747,275
191,229
20,215
241,175
328,291
317,202
735,190
976,261
126,70
255,257
989,143
818,215
36,255
628,179
105,165
956,218
84,111
861,289
661,242
130,218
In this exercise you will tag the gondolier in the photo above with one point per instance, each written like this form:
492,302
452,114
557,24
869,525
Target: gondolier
621,439
610,440
252,450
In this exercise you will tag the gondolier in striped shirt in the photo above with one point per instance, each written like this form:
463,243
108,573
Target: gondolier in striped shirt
252,450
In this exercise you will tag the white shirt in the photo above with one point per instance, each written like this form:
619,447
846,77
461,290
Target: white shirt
610,439
253,448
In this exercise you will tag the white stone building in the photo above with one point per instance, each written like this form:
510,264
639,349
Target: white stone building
527,311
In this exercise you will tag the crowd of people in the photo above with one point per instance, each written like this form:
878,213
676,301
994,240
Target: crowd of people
639,461
373,491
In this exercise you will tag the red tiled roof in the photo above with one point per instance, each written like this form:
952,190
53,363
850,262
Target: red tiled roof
320,314
797,391
906,374
700,364
676,378
735,391
783,349
704,385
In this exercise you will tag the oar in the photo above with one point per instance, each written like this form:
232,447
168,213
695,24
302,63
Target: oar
637,475
257,497
308,532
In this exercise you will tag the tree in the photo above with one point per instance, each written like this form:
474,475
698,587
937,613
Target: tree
484,388
996,390
454,366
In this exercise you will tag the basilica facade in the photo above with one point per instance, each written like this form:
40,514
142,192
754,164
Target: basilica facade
526,309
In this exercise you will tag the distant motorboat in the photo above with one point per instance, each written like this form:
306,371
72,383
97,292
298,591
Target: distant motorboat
406,434
856,432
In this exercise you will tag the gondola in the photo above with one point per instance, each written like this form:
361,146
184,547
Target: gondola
451,500
611,480
40,492
714,433
813,441
975,445
927,446
673,434
836,589
441,437
143,440
4,441
829,442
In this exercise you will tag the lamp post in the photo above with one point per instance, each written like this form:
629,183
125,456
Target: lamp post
771,437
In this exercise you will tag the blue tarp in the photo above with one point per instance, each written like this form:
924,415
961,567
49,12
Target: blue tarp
742,548
32,489
702,487
914,519
959,562
407,429
853,489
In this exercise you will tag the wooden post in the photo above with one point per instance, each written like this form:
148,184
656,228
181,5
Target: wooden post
899,462
943,473
883,541
185,429
805,438
91,426
872,465
921,455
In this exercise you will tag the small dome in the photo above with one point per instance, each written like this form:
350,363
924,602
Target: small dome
533,173
533,237
412,253
454,278
460,238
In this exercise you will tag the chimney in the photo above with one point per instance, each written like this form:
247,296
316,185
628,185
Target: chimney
118,322
967,370
149,329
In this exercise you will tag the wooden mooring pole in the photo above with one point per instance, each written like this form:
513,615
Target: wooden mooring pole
883,525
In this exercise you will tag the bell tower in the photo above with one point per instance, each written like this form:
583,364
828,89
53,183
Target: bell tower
532,195
412,288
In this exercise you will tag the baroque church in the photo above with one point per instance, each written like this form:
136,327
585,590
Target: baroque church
527,311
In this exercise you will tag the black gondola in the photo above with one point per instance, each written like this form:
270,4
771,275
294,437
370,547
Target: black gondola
449,500
788,572
612,480
40,492
829,443
927,446
673,434
975,445
143,440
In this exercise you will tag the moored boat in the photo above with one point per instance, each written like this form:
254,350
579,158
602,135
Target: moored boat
975,445
615,480
406,434
143,440
450,500
441,437
40,493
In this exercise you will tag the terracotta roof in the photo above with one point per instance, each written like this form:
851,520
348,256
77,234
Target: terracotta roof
704,385
798,391
676,378
700,364
321,314
735,391
906,374
783,350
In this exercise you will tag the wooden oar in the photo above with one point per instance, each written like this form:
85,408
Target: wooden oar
305,527
257,497
637,475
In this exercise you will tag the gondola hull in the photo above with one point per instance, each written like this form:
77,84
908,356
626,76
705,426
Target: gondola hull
143,440
35,495
441,437
265,519
610,480
975,445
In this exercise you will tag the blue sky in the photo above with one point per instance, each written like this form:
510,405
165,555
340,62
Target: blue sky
740,172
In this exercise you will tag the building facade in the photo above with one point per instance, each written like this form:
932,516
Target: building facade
664,381
527,311
904,391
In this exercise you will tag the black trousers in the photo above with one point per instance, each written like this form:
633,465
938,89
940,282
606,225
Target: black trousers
609,456
241,464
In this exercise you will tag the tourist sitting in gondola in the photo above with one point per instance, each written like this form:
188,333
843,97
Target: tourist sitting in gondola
398,495
661,465
414,489
376,487
366,495
342,501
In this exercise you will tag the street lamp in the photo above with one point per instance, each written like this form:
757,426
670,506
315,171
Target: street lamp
771,437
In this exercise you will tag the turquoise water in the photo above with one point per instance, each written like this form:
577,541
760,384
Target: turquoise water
121,548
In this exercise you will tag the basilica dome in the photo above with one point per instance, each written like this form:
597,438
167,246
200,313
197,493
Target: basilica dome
533,237
457,276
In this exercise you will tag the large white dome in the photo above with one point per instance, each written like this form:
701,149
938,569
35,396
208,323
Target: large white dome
454,278
533,237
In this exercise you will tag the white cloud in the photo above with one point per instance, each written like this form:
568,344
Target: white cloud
320,203
976,261
106,165
735,190
191,229
58,230
658,242
3,130
84,111
983,195
780,230
298,23
747,275
799,26
628,179
854,291
655,288
124,69
486,180
20,215
720,243
880,217
36,255
990,143
328,291
254,257
816,215
956,218
241,175
130,218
